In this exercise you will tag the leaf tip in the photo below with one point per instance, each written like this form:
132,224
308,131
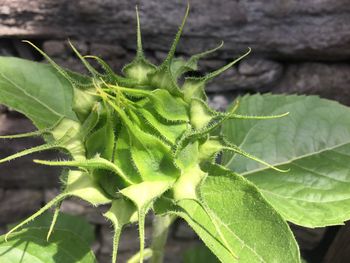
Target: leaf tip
7,236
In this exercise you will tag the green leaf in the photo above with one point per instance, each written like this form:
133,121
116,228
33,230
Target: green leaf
199,253
201,223
122,212
209,149
28,87
180,66
138,70
254,231
143,196
101,141
168,106
75,224
201,114
83,102
187,157
194,88
168,131
80,184
234,220
163,77
123,157
30,246
313,141
152,157
140,67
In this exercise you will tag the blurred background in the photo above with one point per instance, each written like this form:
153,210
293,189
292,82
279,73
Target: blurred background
297,47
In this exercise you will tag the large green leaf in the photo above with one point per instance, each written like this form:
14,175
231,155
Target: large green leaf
313,141
37,90
30,246
236,222
201,223
255,232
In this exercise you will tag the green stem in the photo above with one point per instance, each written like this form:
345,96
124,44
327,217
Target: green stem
147,253
161,225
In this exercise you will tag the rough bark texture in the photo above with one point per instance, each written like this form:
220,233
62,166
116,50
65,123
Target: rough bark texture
291,29
298,47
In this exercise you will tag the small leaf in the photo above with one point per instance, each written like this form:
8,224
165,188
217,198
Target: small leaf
81,185
187,157
209,149
101,141
139,68
151,156
218,144
143,196
194,87
180,66
172,50
83,102
121,213
169,107
186,187
123,157
162,79
169,131
201,114
69,135
90,123
76,79
30,246
54,202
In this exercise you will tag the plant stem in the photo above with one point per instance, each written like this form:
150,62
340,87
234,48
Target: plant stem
161,226
147,253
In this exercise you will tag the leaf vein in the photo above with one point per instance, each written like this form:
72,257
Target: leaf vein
30,96
295,159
